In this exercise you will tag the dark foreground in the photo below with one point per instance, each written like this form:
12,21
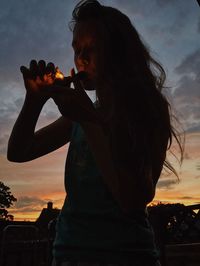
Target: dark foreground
177,233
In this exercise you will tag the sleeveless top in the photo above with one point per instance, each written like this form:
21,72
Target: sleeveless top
91,226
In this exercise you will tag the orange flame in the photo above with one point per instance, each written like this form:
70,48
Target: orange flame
59,74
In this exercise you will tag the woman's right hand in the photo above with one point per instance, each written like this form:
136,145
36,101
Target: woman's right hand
36,77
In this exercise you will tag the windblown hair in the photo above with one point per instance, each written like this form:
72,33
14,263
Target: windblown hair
138,110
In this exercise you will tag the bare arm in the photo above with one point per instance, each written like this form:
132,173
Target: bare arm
25,144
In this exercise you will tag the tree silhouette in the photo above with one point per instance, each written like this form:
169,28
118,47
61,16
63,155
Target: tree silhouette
6,200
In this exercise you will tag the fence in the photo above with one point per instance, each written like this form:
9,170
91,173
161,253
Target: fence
21,246
182,255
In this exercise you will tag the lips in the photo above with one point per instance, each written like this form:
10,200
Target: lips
82,75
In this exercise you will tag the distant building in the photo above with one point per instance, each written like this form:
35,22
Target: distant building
47,214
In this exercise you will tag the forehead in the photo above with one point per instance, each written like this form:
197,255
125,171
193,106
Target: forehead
87,31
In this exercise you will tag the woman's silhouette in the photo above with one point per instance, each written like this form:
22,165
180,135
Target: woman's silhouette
117,145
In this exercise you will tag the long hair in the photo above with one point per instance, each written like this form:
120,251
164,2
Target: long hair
138,111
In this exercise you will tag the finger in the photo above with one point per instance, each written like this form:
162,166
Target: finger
41,68
76,82
34,68
72,72
76,78
83,97
25,72
50,68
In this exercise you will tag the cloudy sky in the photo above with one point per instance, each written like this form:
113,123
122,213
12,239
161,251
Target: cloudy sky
33,29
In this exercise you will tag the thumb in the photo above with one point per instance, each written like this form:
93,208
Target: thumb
77,84
76,81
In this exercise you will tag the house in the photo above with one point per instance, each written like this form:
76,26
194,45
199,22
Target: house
47,214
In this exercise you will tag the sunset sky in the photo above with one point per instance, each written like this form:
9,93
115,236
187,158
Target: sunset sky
34,29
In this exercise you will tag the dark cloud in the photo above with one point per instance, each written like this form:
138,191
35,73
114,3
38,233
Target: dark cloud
176,15
31,30
198,166
26,210
10,105
19,102
162,3
133,9
186,156
194,128
28,205
3,143
11,102
187,92
190,64
51,115
179,22
166,183
198,26
186,197
26,201
35,29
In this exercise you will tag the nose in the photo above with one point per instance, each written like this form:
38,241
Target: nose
81,61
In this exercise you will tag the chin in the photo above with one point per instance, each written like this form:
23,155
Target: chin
90,89
88,85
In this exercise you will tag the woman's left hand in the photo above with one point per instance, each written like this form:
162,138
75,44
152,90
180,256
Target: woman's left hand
73,103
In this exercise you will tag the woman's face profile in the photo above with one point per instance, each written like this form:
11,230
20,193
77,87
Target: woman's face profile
88,51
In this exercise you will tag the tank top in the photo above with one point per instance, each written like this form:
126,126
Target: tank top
91,226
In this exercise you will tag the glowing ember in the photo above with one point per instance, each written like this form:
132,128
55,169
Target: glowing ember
59,74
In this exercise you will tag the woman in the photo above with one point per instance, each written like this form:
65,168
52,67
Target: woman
117,145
